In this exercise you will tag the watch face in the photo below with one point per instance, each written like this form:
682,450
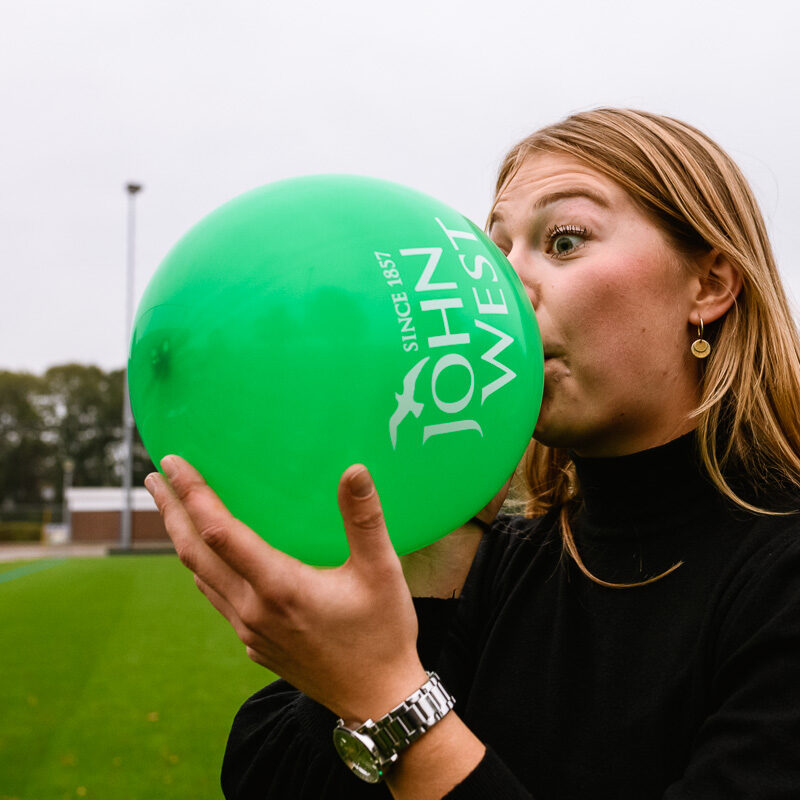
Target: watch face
357,752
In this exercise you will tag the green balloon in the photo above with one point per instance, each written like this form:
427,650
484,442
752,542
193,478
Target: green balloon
328,320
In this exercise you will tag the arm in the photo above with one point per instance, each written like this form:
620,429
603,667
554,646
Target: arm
345,637
437,762
280,742
280,747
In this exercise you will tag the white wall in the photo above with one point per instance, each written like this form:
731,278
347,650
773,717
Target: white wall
107,498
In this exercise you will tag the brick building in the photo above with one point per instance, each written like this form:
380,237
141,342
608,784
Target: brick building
95,516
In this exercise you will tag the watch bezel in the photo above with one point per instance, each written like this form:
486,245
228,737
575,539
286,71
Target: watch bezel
371,767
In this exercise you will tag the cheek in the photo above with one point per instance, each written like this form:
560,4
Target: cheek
623,324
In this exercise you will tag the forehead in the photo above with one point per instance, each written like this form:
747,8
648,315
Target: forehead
548,178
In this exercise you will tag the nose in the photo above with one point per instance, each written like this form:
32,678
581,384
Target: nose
525,268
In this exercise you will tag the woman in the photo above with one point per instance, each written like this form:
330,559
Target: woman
638,634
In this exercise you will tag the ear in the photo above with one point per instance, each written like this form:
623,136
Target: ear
717,286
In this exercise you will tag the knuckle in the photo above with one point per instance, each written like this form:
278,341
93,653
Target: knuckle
251,615
205,589
186,489
249,638
284,603
169,513
181,488
368,518
186,556
215,535
259,655
270,608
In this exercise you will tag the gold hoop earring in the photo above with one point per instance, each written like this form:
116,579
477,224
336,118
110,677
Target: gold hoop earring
700,347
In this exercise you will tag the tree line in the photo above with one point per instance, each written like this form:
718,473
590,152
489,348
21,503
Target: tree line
71,415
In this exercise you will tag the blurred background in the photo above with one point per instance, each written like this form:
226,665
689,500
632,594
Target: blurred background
198,102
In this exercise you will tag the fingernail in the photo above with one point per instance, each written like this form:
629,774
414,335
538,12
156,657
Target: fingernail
150,483
170,466
361,485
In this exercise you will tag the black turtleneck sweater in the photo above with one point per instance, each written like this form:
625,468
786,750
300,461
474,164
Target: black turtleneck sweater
688,687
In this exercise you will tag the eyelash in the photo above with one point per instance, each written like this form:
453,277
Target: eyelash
553,232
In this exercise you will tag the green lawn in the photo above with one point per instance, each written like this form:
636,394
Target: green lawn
118,681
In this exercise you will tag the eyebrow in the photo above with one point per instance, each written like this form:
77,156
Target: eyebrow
554,197
565,194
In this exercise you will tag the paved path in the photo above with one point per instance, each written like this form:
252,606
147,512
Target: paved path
27,552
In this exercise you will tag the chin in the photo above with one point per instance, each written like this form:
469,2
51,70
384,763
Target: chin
565,436
553,438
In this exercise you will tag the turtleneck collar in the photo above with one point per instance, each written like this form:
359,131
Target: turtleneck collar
651,485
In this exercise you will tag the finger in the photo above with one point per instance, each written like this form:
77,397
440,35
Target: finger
191,549
254,643
364,524
234,542
221,604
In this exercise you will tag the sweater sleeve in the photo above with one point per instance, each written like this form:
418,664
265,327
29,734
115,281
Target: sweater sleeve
281,746
749,743
281,742
490,778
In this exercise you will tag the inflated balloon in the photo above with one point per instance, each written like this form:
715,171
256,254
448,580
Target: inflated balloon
322,321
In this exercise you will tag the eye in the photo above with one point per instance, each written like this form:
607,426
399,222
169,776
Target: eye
563,240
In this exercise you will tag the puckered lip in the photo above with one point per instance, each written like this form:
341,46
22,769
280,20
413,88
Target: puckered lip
551,350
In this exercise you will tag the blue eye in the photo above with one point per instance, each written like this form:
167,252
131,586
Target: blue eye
563,240
564,243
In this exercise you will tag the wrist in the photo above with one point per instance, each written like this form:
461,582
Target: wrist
371,749
437,762
383,696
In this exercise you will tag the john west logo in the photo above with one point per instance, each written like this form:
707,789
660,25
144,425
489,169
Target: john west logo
420,382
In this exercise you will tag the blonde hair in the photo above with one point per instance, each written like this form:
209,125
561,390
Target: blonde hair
750,385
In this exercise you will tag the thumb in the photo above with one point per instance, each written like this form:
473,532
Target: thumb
364,524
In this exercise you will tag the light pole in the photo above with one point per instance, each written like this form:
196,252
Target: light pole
69,467
127,415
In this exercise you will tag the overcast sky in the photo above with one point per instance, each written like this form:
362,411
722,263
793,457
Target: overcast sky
200,101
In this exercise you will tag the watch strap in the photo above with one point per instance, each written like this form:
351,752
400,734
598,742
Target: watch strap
406,722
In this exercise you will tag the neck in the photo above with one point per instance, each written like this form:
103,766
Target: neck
652,485
635,442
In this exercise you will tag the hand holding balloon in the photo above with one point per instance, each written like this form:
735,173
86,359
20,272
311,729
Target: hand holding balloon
346,637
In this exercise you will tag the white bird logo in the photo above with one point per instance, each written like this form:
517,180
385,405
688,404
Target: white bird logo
405,401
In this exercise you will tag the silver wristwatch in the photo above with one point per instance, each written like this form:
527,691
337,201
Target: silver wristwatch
371,749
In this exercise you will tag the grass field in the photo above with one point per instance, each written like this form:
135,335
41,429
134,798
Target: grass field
118,681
